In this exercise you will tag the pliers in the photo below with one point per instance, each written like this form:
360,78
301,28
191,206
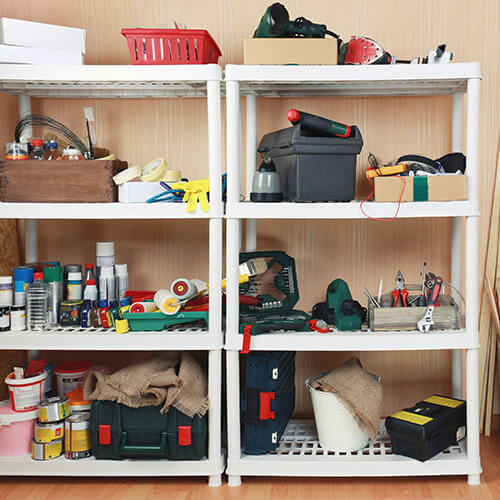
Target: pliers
400,291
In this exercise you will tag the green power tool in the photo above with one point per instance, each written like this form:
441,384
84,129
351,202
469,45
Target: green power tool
275,23
339,309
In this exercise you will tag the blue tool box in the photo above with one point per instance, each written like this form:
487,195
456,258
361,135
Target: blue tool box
267,399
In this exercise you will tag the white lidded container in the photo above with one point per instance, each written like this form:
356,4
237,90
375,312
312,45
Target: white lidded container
6,292
337,429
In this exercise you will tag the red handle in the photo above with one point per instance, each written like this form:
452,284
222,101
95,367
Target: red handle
404,297
395,296
438,282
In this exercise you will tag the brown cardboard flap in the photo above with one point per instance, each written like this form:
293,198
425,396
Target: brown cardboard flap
389,189
290,51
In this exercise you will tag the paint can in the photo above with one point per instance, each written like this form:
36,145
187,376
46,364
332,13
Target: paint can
70,313
18,318
23,277
53,409
46,451
46,432
77,437
4,318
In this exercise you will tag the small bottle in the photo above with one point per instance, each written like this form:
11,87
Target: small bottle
106,321
37,152
90,292
52,152
37,301
114,309
72,154
74,286
86,321
89,272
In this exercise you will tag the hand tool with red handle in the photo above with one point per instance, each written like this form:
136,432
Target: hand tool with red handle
427,321
319,124
400,291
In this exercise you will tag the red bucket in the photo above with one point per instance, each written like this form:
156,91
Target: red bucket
167,46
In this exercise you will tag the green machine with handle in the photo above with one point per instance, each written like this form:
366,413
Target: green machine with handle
276,23
340,309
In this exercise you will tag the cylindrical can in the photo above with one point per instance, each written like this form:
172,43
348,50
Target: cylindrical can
70,313
45,432
6,293
18,318
77,437
23,277
69,268
4,318
53,277
53,409
46,451
121,277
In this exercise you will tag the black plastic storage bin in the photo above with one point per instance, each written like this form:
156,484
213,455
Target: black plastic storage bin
427,428
314,167
267,400
118,431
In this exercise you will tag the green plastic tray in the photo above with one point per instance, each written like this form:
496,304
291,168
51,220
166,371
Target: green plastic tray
156,321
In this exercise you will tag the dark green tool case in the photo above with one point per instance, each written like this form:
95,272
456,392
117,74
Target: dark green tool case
118,431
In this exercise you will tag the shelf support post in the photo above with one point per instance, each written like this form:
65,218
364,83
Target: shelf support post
233,414
456,241
214,414
251,167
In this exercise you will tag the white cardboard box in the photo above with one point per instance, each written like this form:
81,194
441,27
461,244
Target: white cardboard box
30,55
40,35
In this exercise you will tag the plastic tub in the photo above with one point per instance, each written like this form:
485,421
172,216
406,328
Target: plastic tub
70,376
26,393
337,429
16,430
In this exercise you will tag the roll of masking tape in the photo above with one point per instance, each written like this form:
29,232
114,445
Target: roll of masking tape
166,302
172,176
154,170
129,174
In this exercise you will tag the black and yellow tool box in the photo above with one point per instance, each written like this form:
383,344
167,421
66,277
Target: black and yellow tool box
118,431
428,428
267,399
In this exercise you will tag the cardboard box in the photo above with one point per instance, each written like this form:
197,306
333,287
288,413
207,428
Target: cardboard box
40,35
30,55
290,51
446,187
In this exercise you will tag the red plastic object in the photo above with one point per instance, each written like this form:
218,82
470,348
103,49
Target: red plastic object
139,295
184,436
167,46
104,434
265,412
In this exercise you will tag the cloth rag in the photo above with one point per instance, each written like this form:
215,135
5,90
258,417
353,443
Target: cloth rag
359,391
165,379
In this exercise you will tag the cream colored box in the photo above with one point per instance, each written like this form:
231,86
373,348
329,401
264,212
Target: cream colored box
448,187
321,51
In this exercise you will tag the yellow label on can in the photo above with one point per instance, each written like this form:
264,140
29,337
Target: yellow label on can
43,414
64,410
46,435
47,451
411,417
75,441
441,401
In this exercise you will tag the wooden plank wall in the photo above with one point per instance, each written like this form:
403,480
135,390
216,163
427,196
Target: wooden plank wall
361,251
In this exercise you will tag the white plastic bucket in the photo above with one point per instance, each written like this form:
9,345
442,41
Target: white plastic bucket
26,393
337,429
70,376
16,430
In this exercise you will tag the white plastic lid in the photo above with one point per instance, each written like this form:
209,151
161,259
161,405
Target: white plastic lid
9,416
74,276
107,271
71,152
121,269
104,248
5,280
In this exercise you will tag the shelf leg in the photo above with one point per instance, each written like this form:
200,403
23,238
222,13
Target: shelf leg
251,167
215,278
472,365
233,413
456,242
233,141
214,145
214,414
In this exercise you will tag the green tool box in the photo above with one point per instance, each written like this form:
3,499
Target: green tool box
118,431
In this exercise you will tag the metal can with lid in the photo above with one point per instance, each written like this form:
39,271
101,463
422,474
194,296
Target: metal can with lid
47,451
77,437
17,318
45,432
53,409
70,313
4,318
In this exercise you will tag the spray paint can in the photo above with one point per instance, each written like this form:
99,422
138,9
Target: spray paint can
53,277
107,283
23,277
121,277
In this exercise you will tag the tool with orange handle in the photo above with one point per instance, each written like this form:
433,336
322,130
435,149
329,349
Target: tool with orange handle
400,291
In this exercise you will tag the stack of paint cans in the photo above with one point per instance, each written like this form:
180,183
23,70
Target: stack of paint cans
76,432
48,442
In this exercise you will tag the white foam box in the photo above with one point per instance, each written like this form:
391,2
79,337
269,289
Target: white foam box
29,55
40,35
138,192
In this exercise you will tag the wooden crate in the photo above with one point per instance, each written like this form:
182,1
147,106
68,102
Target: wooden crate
446,316
69,181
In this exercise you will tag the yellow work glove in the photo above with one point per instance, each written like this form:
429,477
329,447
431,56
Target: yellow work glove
194,191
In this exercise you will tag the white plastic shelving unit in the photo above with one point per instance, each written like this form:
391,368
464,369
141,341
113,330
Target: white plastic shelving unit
299,453
201,81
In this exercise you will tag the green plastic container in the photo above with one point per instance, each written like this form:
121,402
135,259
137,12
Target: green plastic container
118,432
156,321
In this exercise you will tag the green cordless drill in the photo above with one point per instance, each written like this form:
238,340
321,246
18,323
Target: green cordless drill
275,23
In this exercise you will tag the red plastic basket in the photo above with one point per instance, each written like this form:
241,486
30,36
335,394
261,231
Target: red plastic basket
166,46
